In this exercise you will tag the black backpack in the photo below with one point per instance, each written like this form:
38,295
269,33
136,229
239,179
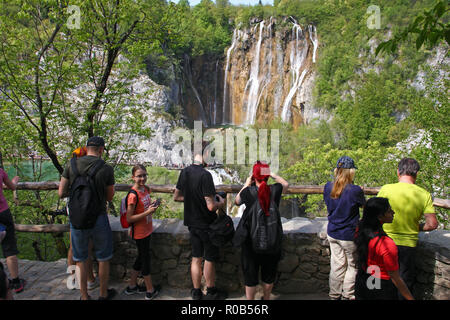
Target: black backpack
266,232
84,202
221,230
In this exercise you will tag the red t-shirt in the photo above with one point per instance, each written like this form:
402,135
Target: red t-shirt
382,253
143,227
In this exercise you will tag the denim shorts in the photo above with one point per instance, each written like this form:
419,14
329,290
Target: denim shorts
101,236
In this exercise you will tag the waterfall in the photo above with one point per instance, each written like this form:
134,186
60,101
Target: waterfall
254,82
297,58
215,97
230,49
313,37
266,69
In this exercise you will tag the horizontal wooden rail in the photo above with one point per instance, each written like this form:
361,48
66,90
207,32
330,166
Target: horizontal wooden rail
293,189
42,228
233,188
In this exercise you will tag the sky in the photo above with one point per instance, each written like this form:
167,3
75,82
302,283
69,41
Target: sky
235,2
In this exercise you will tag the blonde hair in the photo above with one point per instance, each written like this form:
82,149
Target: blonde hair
342,177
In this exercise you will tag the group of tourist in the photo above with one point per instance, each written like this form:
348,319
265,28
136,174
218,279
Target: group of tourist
371,257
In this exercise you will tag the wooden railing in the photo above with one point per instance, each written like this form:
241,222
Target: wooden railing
294,189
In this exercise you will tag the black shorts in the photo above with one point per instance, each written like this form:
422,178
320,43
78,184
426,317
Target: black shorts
202,246
9,243
252,262
143,258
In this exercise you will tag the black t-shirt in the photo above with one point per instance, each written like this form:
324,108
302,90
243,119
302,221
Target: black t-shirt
248,199
196,183
103,178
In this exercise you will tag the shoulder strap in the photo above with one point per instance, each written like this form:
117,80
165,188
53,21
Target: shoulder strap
254,192
126,205
133,192
98,164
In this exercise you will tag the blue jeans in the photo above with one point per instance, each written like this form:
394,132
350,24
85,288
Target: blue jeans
101,236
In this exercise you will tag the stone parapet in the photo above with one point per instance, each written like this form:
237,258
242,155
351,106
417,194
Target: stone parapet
304,267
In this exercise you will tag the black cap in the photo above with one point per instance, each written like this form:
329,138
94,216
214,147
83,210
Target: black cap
95,142
346,162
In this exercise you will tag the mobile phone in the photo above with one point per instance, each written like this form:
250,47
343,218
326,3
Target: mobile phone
157,202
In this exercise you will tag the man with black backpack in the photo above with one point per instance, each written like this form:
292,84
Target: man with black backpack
260,233
89,183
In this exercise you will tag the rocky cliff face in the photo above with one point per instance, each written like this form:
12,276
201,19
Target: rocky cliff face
268,72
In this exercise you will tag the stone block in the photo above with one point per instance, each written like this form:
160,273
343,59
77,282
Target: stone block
227,268
168,264
176,250
321,276
288,263
179,278
324,268
299,274
308,267
163,252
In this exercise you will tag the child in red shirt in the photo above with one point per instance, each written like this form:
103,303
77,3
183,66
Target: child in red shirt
378,276
139,215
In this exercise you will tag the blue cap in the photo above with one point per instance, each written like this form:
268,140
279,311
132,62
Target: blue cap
346,162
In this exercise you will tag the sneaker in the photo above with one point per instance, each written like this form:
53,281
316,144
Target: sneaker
152,295
17,286
93,285
215,294
136,289
110,295
196,294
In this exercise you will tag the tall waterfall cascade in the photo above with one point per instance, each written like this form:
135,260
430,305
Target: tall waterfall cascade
267,73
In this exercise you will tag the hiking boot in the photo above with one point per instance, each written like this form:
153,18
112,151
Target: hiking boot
152,295
215,294
110,295
18,285
136,289
196,294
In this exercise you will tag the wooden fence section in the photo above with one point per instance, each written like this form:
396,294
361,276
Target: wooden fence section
294,189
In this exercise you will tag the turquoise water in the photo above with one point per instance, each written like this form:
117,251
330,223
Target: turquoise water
44,171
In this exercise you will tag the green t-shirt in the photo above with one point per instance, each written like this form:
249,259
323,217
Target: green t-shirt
409,202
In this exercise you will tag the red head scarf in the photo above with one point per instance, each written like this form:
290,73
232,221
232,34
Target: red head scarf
261,172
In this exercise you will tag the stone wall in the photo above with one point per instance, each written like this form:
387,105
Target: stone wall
304,267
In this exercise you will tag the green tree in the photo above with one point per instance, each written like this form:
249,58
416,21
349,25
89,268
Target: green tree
429,27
